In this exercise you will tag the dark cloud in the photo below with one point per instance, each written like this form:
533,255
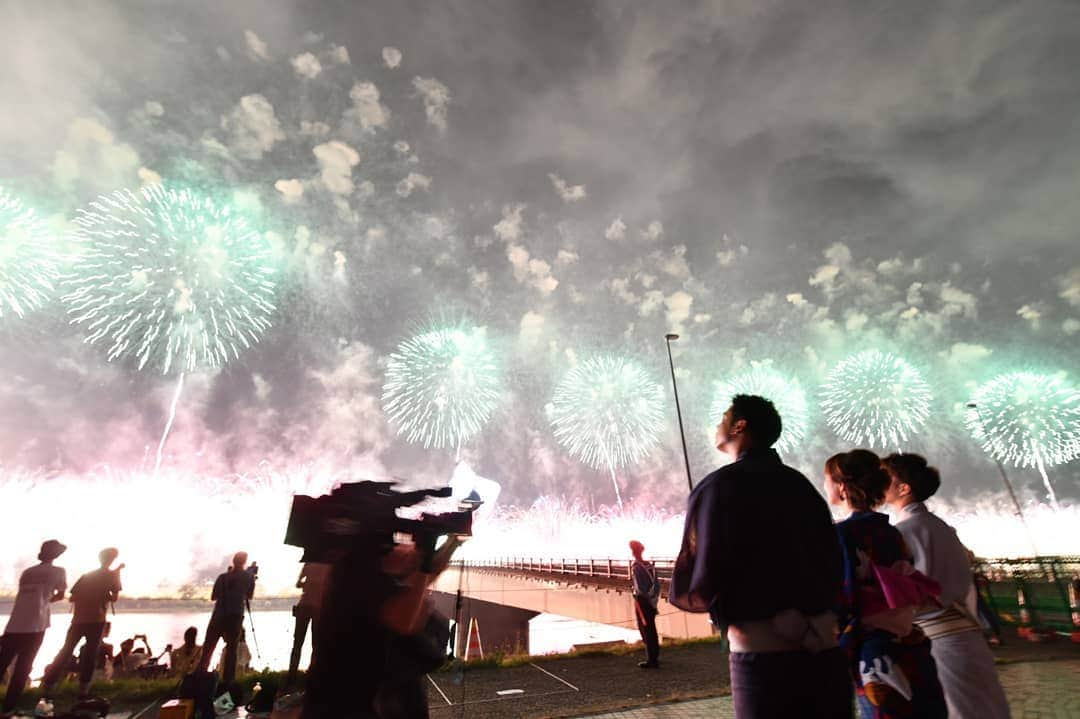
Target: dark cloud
792,181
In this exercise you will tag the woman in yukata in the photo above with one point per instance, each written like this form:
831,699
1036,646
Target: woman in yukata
964,661
891,666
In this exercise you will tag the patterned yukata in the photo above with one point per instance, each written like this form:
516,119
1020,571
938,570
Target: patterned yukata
889,657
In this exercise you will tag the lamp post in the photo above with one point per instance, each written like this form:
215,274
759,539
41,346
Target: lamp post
1005,478
678,410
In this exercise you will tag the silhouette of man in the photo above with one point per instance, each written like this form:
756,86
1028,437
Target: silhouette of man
39,586
646,590
232,590
760,554
91,596
312,585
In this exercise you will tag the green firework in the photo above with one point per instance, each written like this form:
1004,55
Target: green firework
170,279
442,386
608,412
1027,420
784,392
29,260
875,398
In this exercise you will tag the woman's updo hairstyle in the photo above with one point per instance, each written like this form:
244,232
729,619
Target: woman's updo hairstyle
861,475
913,470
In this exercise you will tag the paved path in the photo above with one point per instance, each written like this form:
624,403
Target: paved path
1036,690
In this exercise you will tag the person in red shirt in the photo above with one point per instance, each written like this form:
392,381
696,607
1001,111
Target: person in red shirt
646,590
91,596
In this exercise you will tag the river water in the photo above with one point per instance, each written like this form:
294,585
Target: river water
273,634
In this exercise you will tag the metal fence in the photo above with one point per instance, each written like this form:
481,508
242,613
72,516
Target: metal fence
1047,586
1042,583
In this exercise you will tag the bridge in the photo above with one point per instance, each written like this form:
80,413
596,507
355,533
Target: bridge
504,594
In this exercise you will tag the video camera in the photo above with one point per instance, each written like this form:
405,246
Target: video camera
364,514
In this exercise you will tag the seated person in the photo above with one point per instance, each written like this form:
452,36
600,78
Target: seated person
185,659
243,657
103,667
130,658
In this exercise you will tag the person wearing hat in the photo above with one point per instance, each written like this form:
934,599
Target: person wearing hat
90,598
39,586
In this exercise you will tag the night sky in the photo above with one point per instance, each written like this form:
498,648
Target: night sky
775,181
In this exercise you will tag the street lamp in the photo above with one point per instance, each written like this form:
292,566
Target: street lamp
1005,478
678,410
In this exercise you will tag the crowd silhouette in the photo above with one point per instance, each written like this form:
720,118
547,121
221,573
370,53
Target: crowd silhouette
822,617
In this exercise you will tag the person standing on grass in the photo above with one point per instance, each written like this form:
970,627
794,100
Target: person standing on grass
232,591
39,586
965,664
759,554
90,596
312,586
646,590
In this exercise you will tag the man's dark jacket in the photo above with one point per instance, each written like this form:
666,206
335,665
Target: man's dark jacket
758,539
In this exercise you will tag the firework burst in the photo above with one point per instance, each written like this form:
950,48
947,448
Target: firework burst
875,398
784,392
442,386
29,260
1027,420
607,412
170,279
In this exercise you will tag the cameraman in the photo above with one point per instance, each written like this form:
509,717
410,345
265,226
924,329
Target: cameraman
418,640
376,599
232,590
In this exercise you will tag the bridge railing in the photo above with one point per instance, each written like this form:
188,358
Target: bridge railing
1048,569
599,568
1044,582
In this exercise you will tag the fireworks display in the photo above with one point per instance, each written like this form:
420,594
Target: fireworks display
442,386
784,392
362,255
608,412
29,261
170,279
876,399
1027,420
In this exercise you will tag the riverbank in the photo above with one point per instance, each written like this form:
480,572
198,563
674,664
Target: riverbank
558,685
165,604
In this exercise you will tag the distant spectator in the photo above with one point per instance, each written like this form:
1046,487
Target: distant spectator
243,657
646,591
131,658
312,585
185,659
103,667
39,586
91,597
232,591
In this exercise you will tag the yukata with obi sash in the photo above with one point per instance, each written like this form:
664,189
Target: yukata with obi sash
889,656
964,661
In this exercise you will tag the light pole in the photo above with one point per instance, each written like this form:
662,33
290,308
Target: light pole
1005,478
678,410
